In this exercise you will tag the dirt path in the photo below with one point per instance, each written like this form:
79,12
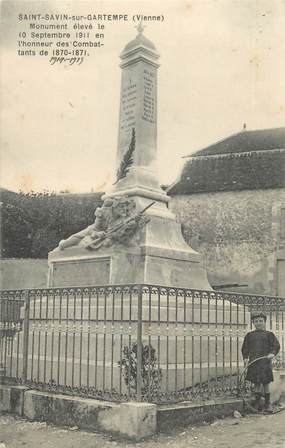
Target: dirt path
249,432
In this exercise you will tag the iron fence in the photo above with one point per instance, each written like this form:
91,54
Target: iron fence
130,342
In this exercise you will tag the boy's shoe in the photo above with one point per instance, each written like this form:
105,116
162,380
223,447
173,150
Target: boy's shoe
261,404
267,407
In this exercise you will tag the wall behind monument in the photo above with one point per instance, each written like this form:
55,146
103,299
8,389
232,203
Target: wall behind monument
23,273
239,234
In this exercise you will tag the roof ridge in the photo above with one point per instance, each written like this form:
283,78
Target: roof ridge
238,154
215,143
231,136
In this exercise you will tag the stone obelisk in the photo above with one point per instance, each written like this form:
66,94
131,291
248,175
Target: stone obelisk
138,111
158,254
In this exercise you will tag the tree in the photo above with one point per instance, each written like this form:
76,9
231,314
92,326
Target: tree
34,223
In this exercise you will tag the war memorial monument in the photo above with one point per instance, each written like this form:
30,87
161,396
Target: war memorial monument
128,314
135,237
129,279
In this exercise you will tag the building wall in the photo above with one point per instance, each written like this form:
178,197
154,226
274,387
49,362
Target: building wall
239,233
23,273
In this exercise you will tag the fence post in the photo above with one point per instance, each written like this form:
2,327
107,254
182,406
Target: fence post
139,345
26,326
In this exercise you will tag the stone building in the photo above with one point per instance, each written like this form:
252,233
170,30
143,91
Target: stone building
230,199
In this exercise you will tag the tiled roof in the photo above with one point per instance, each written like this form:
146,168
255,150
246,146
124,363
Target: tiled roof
249,160
259,140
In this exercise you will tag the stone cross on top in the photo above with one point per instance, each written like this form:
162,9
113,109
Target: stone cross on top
140,27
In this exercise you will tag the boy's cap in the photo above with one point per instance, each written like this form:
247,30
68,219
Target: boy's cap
256,314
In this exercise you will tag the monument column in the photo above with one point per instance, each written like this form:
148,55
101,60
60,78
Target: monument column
138,120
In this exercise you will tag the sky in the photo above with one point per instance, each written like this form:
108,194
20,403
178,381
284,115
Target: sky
222,65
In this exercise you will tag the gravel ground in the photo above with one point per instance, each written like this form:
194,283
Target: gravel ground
248,432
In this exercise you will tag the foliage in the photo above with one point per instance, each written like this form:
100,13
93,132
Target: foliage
127,159
151,375
32,224
278,362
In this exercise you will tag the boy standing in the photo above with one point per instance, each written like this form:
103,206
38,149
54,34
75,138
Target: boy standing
260,343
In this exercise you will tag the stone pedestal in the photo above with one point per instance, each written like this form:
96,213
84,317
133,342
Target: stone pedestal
159,256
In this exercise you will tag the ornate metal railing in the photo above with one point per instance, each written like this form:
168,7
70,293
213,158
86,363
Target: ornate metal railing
10,325
130,342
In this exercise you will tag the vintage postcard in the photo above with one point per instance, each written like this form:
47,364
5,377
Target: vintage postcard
142,187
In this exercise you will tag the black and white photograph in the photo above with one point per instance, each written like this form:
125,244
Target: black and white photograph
142,212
